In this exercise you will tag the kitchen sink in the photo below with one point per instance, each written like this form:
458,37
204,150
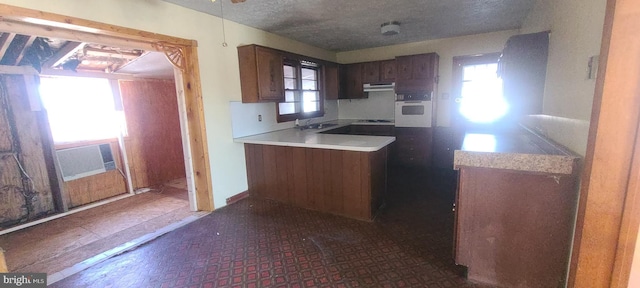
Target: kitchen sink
318,126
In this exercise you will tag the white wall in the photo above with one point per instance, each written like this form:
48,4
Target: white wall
245,121
576,34
379,105
218,66
446,48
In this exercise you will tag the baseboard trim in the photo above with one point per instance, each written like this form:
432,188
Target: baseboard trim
237,197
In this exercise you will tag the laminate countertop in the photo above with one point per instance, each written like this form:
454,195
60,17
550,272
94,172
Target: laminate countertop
519,150
312,138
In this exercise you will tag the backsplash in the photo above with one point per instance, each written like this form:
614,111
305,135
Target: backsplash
244,117
379,105
571,133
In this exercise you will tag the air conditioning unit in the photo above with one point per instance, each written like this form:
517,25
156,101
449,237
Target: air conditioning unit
85,161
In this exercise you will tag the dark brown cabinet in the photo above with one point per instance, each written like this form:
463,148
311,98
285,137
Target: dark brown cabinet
412,147
371,72
331,81
513,228
388,71
379,72
261,74
416,73
523,67
351,82
445,141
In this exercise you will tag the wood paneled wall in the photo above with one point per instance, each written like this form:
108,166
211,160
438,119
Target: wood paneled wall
100,186
154,142
21,144
347,183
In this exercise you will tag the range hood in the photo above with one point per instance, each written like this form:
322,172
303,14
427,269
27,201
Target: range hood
379,87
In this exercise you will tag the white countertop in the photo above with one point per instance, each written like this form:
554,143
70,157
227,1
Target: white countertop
310,138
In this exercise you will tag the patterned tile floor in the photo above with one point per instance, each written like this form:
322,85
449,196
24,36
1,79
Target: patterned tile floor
261,243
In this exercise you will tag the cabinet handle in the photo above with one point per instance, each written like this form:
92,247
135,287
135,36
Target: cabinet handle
453,209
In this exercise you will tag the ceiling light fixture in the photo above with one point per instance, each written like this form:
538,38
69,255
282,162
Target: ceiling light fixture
390,28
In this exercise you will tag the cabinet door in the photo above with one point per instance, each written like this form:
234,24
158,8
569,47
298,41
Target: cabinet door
388,71
404,70
422,67
354,88
416,73
270,74
413,147
331,82
371,72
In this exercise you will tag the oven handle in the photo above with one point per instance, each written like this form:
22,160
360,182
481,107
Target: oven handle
413,102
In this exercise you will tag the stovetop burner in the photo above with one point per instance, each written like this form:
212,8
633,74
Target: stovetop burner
376,121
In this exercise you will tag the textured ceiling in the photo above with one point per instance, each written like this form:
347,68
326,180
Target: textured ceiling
343,25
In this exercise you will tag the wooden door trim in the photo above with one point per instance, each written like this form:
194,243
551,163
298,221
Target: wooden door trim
607,220
79,28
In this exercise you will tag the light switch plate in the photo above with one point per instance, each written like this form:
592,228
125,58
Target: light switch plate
593,67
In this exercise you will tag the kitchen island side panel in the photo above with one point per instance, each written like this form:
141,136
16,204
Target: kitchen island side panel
348,183
513,227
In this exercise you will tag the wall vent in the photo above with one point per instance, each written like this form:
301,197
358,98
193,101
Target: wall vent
85,161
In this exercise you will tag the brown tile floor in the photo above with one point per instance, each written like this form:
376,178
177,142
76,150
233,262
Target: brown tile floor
58,244
261,243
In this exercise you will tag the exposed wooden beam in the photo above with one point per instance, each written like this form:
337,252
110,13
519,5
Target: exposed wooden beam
90,74
5,41
28,43
111,53
16,48
61,55
55,21
19,70
71,35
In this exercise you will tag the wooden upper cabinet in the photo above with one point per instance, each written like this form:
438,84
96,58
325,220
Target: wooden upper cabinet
416,73
379,71
352,82
388,71
331,81
371,72
261,74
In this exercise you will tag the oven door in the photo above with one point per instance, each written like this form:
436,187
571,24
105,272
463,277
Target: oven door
413,114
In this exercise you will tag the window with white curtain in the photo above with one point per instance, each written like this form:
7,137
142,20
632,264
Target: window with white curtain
80,109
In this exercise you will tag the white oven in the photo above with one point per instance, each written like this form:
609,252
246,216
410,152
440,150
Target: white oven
413,111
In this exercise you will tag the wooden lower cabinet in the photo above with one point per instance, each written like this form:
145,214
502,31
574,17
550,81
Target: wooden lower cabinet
348,183
513,228
412,147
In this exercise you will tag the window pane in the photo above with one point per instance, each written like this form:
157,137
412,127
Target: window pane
80,109
309,85
309,74
289,96
310,101
289,83
482,100
289,71
287,108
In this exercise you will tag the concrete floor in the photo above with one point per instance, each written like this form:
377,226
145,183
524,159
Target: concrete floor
59,244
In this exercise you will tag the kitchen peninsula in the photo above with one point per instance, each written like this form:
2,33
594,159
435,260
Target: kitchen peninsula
339,174
516,200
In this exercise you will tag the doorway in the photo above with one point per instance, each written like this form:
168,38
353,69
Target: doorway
477,90
184,56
